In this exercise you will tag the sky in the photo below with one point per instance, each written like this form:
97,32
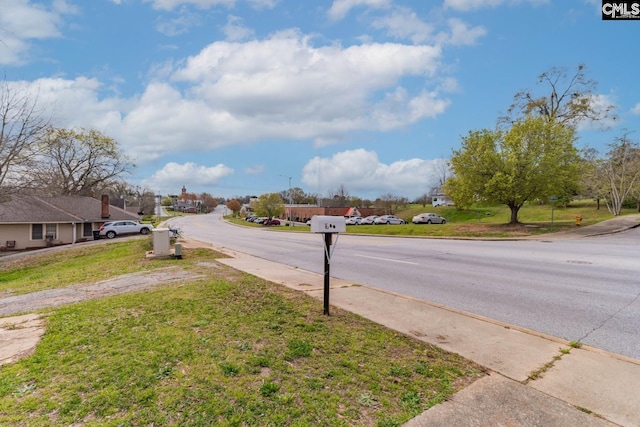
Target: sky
246,97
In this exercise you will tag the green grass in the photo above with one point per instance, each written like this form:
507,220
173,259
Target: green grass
227,350
485,221
64,268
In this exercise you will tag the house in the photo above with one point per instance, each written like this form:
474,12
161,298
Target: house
29,222
441,200
305,212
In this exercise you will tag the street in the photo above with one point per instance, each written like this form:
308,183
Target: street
584,290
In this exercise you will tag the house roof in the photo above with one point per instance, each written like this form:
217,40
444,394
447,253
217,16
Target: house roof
28,209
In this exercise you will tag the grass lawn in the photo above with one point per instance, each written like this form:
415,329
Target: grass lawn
227,350
487,221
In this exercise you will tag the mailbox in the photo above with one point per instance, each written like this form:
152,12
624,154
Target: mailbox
328,224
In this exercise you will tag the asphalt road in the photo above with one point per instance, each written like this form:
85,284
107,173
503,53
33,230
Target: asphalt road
585,290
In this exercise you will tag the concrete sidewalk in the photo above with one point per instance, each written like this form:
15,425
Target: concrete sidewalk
536,380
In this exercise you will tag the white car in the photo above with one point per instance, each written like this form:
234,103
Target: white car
428,218
353,220
116,228
368,220
389,219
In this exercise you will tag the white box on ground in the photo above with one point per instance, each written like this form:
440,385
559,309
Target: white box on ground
161,245
328,224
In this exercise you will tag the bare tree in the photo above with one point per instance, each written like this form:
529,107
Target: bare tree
423,200
22,125
570,100
391,203
442,171
78,162
617,177
209,202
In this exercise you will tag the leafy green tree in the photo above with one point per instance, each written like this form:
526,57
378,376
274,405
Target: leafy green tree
533,159
269,205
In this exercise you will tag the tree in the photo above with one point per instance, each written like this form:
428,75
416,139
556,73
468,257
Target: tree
424,199
234,206
534,159
442,172
269,205
616,178
570,101
391,203
22,126
208,202
78,162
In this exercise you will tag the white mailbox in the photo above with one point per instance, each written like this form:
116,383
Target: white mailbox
328,224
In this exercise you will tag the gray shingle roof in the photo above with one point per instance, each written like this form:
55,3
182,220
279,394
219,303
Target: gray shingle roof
27,209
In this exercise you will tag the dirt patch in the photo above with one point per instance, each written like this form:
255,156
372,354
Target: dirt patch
19,335
118,285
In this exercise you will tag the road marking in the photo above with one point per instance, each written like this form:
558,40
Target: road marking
387,259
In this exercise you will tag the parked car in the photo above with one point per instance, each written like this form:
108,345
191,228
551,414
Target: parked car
354,220
272,221
428,218
368,220
250,218
389,219
116,228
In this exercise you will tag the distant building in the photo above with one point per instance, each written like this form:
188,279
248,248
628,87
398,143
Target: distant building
187,203
441,200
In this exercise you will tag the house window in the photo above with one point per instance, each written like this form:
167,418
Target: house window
52,231
87,229
37,232
42,231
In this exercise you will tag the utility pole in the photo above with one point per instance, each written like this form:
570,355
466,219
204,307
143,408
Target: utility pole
290,203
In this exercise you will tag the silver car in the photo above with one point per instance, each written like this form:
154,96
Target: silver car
353,220
428,218
116,228
368,220
389,219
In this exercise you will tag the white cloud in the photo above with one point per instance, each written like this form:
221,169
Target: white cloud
201,4
188,174
206,4
636,109
263,4
235,31
281,88
468,5
461,34
21,21
254,170
341,8
404,23
181,24
361,172
64,7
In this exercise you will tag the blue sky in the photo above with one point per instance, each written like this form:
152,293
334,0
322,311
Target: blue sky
240,97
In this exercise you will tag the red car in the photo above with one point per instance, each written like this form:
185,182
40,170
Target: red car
271,222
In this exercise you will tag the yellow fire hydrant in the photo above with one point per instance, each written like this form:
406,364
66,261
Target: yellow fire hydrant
578,219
